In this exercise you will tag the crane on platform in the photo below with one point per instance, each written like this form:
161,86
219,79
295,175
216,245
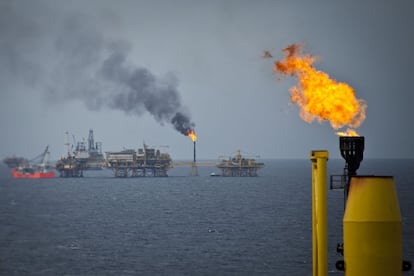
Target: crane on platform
42,160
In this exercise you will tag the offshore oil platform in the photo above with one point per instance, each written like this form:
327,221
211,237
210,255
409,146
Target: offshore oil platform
239,166
86,156
145,161
15,161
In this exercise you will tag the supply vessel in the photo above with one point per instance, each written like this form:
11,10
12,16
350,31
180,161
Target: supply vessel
38,167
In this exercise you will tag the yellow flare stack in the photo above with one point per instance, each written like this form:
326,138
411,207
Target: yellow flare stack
372,228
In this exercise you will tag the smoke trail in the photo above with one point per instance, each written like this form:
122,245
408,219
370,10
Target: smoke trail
93,68
140,89
182,123
126,87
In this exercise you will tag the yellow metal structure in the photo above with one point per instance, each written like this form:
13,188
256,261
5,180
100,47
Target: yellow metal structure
372,228
319,213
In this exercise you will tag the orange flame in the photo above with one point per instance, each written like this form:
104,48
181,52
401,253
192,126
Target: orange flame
191,134
318,96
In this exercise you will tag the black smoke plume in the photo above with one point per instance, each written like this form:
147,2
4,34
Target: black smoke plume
86,66
140,89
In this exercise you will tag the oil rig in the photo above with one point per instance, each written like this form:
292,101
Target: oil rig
239,166
86,156
145,161
14,162
90,152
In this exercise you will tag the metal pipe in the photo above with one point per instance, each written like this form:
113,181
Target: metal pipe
319,213
194,152
352,150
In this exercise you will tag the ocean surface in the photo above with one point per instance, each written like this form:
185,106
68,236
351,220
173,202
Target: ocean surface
179,225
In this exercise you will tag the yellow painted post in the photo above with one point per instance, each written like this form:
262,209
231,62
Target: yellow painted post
314,240
319,213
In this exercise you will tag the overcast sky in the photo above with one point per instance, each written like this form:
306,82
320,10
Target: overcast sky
127,68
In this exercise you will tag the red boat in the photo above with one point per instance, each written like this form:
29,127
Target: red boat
33,169
31,173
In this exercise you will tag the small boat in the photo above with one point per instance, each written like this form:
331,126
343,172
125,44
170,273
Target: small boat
214,174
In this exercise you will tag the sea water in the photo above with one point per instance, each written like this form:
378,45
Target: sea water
179,225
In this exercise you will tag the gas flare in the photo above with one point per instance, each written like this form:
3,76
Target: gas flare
318,96
348,132
191,134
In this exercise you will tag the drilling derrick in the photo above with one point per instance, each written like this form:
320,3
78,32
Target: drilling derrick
95,159
70,165
85,156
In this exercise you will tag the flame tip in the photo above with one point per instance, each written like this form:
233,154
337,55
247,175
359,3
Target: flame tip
349,132
191,134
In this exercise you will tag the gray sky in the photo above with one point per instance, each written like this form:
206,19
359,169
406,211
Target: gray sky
76,65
